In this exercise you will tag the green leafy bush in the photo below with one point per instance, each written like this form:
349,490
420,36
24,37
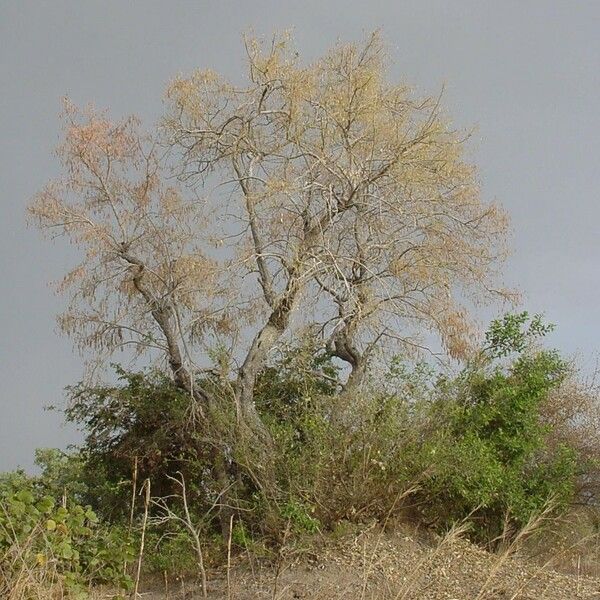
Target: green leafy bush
473,445
143,422
339,455
489,459
39,537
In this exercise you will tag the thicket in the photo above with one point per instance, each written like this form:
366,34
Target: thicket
480,445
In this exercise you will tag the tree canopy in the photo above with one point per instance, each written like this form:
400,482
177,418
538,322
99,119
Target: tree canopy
317,199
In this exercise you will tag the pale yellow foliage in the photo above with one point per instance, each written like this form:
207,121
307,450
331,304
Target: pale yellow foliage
333,196
355,188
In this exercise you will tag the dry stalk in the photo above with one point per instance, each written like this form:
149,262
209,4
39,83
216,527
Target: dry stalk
279,568
532,525
229,557
145,487
132,506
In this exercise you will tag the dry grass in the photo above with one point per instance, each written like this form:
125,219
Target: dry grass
573,545
389,562
406,564
24,577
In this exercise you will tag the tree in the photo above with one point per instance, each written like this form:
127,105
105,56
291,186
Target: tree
349,192
318,199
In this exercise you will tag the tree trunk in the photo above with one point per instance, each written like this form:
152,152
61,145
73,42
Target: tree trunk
341,347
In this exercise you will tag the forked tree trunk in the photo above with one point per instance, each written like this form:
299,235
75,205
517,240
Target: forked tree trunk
342,347
255,437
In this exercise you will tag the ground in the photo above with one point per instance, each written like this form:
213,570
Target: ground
377,565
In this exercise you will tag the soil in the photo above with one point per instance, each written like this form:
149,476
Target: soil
377,565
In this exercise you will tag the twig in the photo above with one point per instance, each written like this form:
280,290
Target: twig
187,522
280,559
132,507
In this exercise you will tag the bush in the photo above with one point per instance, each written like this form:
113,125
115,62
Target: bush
492,444
339,456
144,423
488,457
48,546
476,445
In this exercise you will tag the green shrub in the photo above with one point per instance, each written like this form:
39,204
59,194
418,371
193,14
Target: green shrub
489,458
475,444
143,422
339,455
170,550
65,540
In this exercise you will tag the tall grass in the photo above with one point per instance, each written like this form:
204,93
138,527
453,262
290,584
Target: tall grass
26,574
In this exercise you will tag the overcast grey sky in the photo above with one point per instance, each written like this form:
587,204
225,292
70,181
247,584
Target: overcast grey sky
526,72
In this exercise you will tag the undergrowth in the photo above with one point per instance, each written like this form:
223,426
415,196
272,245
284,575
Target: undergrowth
477,447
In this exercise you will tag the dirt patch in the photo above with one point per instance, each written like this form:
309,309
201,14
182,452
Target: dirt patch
374,565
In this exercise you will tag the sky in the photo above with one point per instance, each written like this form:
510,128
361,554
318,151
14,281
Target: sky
526,74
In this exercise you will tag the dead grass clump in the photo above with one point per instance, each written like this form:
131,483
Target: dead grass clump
27,575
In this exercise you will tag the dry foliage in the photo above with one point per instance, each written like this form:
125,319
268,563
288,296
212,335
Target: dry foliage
408,564
572,412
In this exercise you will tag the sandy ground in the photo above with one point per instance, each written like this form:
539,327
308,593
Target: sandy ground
383,566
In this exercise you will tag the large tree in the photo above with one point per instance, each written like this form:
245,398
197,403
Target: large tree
318,198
